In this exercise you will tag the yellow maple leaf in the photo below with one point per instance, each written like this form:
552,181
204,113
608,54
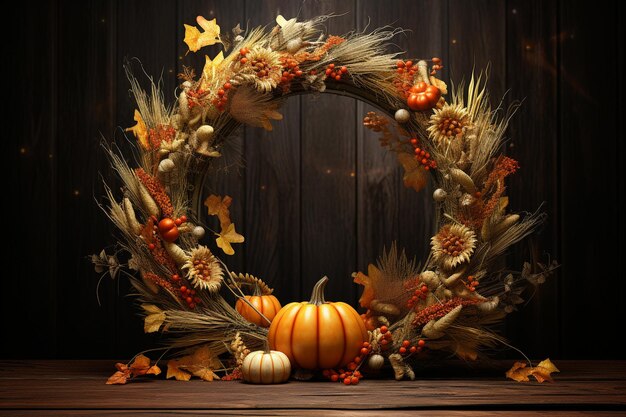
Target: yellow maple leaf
196,39
154,319
227,236
200,363
211,67
139,130
415,176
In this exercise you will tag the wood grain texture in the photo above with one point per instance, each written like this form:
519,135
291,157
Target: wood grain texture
531,60
388,211
328,193
591,178
273,175
79,385
30,148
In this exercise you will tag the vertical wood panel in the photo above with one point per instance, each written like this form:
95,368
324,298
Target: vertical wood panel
593,285
28,295
226,175
387,210
273,184
531,76
477,39
146,30
84,112
328,176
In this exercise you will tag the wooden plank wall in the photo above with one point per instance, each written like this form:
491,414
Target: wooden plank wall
316,196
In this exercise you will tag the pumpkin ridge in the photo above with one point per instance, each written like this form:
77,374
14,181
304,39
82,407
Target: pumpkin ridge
261,368
317,335
343,332
284,367
272,374
295,319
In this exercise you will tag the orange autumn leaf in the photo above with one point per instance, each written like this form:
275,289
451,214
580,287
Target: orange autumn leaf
415,176
140,130
196,39
520,372
370,283
201,363
227,236
218,206
140,366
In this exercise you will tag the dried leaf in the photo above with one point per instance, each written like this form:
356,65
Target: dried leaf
140,130
201,364
140,366
154,319
227,236
415,176
218,206
210,70
196,39
369,282
520,372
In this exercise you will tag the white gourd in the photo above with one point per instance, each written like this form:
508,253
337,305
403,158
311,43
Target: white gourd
261,367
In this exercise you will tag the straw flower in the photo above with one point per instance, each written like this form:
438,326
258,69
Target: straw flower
262,68
447,124
204,269
453,245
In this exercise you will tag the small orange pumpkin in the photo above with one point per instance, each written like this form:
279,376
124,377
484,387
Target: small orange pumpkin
318,334
423,96
268,305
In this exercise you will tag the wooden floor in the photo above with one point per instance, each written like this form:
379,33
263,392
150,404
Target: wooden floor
71,388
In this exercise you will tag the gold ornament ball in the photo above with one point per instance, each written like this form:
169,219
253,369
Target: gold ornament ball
376,362
440,194
402,116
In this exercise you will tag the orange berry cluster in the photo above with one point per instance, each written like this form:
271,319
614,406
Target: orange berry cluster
472,283
439,310
351,375
222,96
156,191
421,156
243,52
159,134
437,65
336,73
419,294
386,337
189,296
405,75
291,69
406,347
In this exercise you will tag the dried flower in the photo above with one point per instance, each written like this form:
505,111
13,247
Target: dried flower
262,68
157,191
447,124
453,245
204,269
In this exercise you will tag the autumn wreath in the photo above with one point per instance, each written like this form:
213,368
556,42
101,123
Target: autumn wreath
448,305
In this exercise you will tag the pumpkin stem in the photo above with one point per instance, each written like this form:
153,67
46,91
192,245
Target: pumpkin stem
317,295
257,290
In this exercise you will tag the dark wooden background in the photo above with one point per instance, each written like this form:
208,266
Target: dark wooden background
316,196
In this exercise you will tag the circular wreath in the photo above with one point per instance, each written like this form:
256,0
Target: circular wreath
448,305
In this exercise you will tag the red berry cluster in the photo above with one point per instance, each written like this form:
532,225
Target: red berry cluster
195,97
336,73
351,375
406,347
189,296
419,294
222,96
472,283
421,156
386,337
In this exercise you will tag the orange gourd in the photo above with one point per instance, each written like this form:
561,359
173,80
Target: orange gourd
318,334
268,305
423,96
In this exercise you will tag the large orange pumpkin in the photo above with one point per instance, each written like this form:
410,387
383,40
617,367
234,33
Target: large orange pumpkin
318,334
268,305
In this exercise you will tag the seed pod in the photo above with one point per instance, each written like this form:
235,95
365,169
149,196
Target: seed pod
131,219
178,255
440,194
435,329
148,202
462,178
